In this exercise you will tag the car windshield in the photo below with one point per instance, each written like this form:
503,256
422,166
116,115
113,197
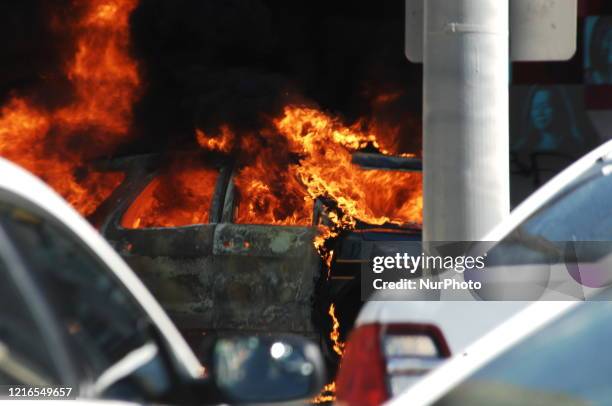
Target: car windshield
582,213
25,358
565,363
589,196
100,318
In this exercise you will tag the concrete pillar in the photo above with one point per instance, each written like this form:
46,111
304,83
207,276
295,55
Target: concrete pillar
465,118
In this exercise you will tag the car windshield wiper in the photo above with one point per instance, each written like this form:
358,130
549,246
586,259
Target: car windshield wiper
18,369
127,365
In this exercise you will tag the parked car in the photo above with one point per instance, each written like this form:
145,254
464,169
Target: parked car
528,251
395,343
73,315
552,353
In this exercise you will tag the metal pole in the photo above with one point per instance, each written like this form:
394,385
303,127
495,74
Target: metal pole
465,118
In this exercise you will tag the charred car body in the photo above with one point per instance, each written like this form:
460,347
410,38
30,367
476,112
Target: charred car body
220,277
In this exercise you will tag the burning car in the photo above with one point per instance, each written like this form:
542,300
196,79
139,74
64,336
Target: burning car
179,227
210,273
259,226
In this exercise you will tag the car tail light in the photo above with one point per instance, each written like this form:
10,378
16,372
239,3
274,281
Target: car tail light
361,378
383,360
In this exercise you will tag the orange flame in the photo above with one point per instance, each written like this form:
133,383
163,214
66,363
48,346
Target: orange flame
56,143
335,333
221,142
180,197
328,394
305,155
374,197
273,193
271,196
324,169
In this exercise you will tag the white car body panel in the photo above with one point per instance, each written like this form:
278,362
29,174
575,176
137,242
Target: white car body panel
17,181
434,385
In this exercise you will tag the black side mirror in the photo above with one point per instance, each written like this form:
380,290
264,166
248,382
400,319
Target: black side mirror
263,369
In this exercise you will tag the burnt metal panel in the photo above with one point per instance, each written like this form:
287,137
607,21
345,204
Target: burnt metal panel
219,276
233,291
179,242
233,277
263,240
386,162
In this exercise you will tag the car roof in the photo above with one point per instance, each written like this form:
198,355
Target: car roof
440,381
19,182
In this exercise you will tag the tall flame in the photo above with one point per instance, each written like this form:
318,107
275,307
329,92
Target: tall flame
306,155
323,169
284,195
56,143
326,169
328,393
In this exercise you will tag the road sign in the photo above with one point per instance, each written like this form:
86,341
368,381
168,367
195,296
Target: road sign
540,30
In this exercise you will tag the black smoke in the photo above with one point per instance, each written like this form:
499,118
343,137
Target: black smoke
33,51
208,62
238,62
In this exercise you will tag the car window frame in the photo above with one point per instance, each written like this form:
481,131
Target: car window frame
86,383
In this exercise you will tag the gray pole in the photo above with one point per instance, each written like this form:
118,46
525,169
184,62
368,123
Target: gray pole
465,118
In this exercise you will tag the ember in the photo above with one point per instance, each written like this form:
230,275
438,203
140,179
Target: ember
221,143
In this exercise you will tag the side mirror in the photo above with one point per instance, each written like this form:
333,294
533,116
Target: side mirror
262,369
